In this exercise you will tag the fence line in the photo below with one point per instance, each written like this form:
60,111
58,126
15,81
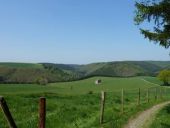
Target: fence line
148,92
161,94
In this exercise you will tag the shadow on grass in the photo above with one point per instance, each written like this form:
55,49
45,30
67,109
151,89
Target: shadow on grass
164,125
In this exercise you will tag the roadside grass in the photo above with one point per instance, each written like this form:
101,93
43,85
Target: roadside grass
162,118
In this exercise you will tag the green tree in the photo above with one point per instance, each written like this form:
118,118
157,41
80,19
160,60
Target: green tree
42,81
158,13
164,76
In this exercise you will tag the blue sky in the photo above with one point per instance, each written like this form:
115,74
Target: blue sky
72,31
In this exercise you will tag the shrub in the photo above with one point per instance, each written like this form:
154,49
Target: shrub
42,81
90,92
164,76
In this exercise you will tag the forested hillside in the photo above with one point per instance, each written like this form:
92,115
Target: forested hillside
48,72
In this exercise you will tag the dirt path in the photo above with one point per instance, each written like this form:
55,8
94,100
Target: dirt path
146,117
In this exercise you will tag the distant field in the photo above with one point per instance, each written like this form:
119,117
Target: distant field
108,84
83,86
76,104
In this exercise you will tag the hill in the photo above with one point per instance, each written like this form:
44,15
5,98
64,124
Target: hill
42,72
119,69
31,73
126,69
162,64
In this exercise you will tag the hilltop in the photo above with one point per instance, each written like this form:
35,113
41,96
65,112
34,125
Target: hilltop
32,73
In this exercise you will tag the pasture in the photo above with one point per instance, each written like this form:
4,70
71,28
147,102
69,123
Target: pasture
77,104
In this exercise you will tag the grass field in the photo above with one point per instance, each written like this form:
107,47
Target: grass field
82,86
77,104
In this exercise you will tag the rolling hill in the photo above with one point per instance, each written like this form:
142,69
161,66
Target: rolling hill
33,73
120,68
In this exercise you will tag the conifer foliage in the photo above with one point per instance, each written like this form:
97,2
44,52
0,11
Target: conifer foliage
157,11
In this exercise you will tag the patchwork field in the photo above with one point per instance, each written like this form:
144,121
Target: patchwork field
77,104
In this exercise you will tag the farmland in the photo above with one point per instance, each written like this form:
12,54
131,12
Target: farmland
77,104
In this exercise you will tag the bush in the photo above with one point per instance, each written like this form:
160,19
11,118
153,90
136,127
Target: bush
1,79
164,76
42,81
90,92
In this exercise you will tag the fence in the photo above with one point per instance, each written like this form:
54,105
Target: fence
10,120
136,97
123,98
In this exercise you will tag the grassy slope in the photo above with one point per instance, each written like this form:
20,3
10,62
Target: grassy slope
73,107
162,119
79,87
108,84
89,68
162,64
121,68
152,80
29,73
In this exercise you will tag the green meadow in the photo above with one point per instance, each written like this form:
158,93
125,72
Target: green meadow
77,104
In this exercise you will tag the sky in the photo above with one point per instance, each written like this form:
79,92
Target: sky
73,32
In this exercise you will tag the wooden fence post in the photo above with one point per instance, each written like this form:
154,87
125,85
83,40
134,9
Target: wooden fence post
155,93
139,93
122,101
164,92
103,94
161,93
148,95
42,112
7,113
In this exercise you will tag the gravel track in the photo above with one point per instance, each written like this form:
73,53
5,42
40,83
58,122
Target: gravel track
145,117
